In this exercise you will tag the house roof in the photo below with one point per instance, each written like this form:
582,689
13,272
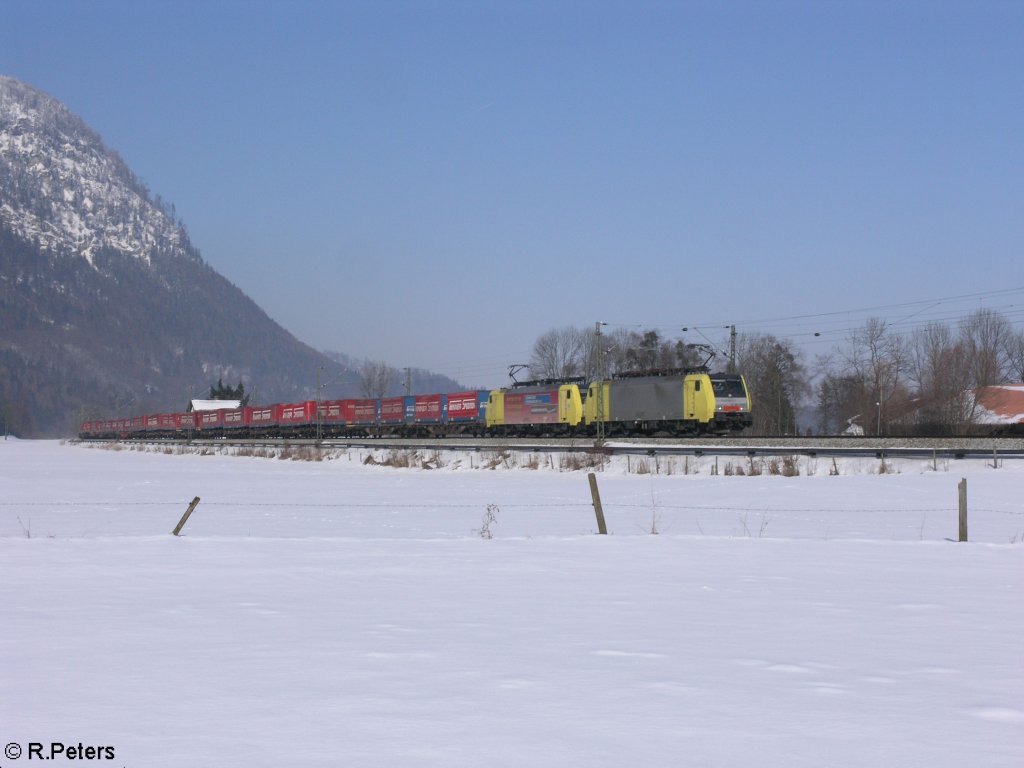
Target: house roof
1002,404
213,405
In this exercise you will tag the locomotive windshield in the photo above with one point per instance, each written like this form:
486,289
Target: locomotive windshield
728,386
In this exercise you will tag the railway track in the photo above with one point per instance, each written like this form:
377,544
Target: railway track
947,447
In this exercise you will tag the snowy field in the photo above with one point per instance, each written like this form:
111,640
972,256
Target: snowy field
339,613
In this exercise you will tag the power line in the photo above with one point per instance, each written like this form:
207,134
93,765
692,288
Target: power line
825,327
879,307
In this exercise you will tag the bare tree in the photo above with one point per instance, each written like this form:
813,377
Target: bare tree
985,335
375,378
939,371
616,346
1015,356
877,358
776,378
559,354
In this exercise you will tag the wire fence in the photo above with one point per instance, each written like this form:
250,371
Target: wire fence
288,516
440,505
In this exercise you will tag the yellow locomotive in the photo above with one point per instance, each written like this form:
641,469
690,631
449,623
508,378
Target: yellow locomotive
536,408
648,403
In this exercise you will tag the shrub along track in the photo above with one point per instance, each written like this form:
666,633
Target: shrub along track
891,447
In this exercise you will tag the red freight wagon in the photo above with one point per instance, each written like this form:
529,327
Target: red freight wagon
298,414
264,416
392,410
332,412
427,409
152,422
237,418
186,421
207,420
360,412
533,407
466,406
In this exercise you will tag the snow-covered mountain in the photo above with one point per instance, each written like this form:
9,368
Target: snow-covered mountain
106,307
64,192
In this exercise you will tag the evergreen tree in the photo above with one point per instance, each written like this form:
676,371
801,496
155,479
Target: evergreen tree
221,391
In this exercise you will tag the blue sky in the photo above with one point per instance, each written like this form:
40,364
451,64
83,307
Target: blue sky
437,184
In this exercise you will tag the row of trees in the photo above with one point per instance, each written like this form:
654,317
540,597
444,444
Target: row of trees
880,380
921,382
570,352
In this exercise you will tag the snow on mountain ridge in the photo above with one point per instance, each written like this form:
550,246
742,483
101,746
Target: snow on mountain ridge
61,188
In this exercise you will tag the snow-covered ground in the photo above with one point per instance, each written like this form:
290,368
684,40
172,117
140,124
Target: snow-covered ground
336,613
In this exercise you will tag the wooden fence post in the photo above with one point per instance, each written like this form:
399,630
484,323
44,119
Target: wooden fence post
962,487
184,518
601,528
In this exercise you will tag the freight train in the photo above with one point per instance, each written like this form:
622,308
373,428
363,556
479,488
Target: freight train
665,403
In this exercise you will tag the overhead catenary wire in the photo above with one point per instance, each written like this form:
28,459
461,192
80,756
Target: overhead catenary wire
818,327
